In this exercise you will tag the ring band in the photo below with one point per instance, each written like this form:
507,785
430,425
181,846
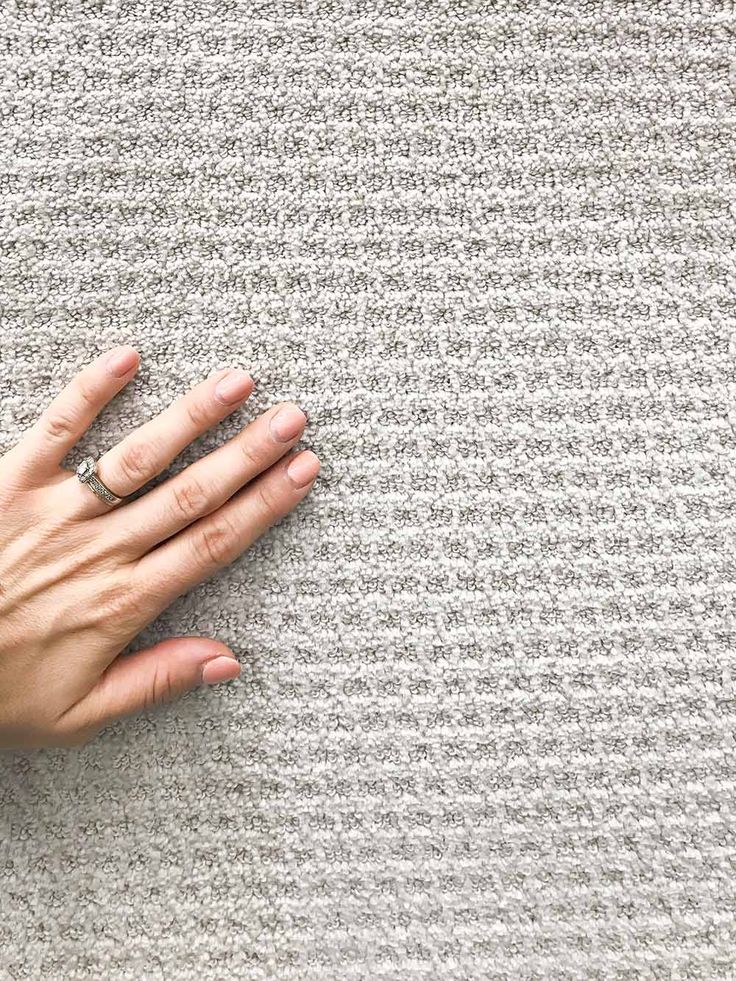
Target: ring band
87,473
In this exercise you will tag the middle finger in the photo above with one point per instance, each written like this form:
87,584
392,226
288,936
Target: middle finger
209,482
148,450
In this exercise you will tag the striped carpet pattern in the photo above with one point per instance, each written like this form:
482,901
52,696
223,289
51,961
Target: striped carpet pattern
485,722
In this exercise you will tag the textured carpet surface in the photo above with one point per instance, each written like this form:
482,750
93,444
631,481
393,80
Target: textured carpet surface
484,727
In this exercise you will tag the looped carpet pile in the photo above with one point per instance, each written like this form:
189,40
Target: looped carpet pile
484,728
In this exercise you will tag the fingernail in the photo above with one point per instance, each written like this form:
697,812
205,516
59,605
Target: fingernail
303,468
233,387
287,423
121,361
220,669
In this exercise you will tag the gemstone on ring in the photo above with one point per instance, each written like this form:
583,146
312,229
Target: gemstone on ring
87,473
86,469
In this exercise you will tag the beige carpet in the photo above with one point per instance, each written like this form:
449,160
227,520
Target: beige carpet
484,728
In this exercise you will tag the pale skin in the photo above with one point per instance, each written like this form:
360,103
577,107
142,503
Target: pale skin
79,580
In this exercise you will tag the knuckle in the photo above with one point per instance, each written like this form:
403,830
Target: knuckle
161,688
190,499
59,423
85,394
138,462
215,541
254,460
267,499
197,413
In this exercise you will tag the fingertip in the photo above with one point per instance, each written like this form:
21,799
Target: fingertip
220,669
194,649
234,386
303,468
122,360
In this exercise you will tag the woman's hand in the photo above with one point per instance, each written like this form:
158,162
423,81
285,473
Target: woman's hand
78,579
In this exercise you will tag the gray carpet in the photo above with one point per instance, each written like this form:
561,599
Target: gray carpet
484,727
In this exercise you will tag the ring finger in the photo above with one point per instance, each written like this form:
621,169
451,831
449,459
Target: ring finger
148,450
208,483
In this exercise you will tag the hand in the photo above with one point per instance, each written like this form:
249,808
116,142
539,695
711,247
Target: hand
79,580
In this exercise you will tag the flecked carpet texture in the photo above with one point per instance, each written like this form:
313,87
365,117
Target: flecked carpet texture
484,727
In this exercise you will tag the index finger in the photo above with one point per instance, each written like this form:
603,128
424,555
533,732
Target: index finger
62,424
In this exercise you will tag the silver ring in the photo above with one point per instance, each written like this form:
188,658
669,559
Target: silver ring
87,473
